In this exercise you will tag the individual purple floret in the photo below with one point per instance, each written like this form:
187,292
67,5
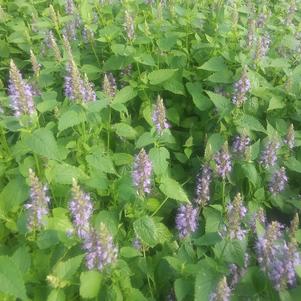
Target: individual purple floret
100,248
142,171
236,211
137,244
109,85
203,182
129,26
20,92
186,220
269,155
81,209
278,181
222,292
241,88
290,137
223,162
39,201
159,116
240,144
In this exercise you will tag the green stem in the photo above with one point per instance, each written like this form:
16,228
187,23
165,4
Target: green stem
4,141
147,276
223,196
161,205
109,130
37,164
94,51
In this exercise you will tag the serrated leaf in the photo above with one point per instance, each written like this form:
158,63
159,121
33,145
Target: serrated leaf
159,157
124,95
145,139
293,164
101,162
125,130
146,230
201,101
213,145
214,64
250,122
212,218
222,103
90,282
159,76
172,189
70,119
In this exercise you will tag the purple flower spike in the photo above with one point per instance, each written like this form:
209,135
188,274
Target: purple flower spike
278,181
109,85
240,144
203,186
159,116
39,202
81,209
241,88
129,26
142,171
222,293
290,137
186,220
223,162
269,155
20,92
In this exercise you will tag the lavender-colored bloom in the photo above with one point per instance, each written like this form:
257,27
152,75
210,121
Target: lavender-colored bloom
100,248
263,45
258,217
290,137
129,26
241,88
109,85
261,20
278,181
269,155
69,7
87,34
69,30
20,92
50,42
236,272
251,37
159,116
236,211
222,292
81,209
186,220
142,171
39,202
204,179
137,244
223,162
240,144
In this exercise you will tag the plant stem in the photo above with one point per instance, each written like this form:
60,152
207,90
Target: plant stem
109,130
147,276
223,196
161,205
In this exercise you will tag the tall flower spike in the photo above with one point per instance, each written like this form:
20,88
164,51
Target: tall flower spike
263,45
20,92
278,181
240,144
186,220
269,155
237,272
290,137
34,63
294,227
100,248
258,217
53,45
109,85
142,171
159,116
39,202
222,293
125,73
81,209
129,26
223,162
251,38
203,186
236,211
241,88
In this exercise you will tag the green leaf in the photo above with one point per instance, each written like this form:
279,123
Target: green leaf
90,282
214,64
129,252
101,162
146,230
213,145
222,103
293,164
48,103
145,139
276,103
159,157
109,218
159,76
250,172
224,77
56,295
22,258
11,281
172,189
124,95
48,238
145,59
43,143
122,159
201,101
183,287
213,219
70,119
125,130
251,123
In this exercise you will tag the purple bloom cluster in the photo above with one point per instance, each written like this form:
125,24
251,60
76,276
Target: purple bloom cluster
137,244
237,272
77,88
129,26
290,137
50,43
39,202
142,171
223,162
186,220
240,144
222,292
70,28
20,92
251,37
100,248
258,217
278,181
109,85
81,209
236,211
87,34
159,116
241,88
125,73
203,182
261,20
269,155
35,65
263,45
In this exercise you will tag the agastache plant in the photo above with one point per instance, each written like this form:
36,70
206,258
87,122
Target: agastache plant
263,45
251,37
38,207
278,181
159,116
236,211
223,162
186,220
222,292
129,26
100,248
241,88
203,182
142,171
109,85
81,209
20,92
290,137
269,155
240,144
51,43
